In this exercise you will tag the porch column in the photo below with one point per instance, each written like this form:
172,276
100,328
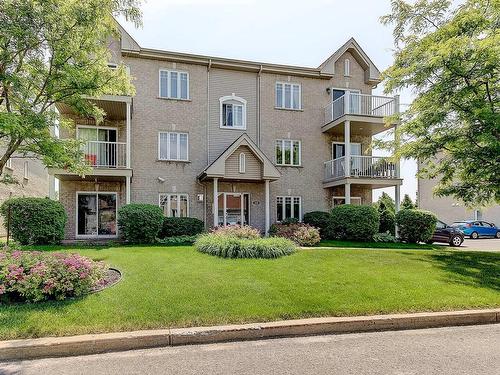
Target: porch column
267,208
216,203
347,145
347,102
52,187
397,200
127,148
347,193
127,189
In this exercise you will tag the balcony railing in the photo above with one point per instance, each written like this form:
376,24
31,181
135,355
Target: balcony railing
101,154
360,104
361,166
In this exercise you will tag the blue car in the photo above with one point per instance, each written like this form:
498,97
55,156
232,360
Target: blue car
477,228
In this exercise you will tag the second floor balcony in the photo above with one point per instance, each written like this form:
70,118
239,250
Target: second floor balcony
377,167
102,154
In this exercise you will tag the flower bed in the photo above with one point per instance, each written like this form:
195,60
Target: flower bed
34,276
300,233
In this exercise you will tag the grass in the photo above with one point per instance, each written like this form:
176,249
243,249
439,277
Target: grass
374,245
177,286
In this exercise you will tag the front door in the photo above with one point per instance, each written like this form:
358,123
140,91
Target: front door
233,209
96,214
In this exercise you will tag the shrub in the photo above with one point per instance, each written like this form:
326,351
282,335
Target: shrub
238,231
290,220
232,247
178,240
384,237
34,276
320,220
387,221
356,223
35,221
415,225
140,223
301,234
181,226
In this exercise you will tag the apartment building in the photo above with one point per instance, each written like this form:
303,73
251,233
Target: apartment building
230,141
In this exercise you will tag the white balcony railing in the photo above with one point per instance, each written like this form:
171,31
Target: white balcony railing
361,166
103,154
360,104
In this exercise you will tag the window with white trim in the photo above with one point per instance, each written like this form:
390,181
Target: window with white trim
8,164
288,95
175,205
233,112
288,207
174,84
347,67
243,162
288,152
173,146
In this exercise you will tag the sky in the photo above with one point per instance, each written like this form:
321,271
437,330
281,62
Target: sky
287,32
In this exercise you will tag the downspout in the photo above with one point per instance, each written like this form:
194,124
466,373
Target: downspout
208,110
258,105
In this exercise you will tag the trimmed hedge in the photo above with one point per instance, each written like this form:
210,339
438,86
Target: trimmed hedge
233,247
415,225
139,222
320,220
354,223
35,221
181,226
300,233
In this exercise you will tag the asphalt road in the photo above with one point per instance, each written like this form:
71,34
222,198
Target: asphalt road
455,350
481,244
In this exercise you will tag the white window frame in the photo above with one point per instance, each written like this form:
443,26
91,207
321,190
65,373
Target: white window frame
282,106
97,214
347,68
242,162
162,196
291,164
230,98
169,88
178,151
8,164
292,199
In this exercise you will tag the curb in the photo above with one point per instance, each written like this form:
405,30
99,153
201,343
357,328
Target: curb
120,341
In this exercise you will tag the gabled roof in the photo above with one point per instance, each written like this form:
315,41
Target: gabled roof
218,166
372,74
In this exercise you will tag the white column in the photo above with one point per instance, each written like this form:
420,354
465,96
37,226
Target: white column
52,187
267,208
347,193
127,189
128,120
397,200
347,144
347,102
216,203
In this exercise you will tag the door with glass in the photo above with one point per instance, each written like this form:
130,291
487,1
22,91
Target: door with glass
233,209
96,214
338,151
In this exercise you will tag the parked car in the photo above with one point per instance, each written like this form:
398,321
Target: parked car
476,228
447,234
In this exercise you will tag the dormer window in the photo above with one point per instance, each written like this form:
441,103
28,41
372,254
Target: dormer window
347,67
233,112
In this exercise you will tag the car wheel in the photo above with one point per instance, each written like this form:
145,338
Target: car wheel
474,235
497,235
456,241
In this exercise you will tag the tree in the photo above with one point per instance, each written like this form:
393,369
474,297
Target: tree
450,58
386,209
55,51
385,202
407,203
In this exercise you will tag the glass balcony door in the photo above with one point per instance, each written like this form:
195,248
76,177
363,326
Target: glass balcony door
101,149
96,214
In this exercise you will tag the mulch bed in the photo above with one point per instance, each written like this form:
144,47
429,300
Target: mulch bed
112,277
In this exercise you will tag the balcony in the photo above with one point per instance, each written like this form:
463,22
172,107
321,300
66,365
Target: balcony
101,154
362,110
362,168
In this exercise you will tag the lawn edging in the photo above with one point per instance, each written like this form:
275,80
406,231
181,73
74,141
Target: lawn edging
121,341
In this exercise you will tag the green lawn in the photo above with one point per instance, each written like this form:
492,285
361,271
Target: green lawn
177,286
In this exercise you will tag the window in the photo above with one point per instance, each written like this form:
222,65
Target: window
174,84
175,205
288,207
96,214
8,164
347,67
288,152
26,176
173,146
288,95
233,112
242,162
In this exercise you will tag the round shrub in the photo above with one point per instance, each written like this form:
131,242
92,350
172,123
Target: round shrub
415,225
238,231
140,223
300,233
233,247
354,223
320,220
35,221
35,276
181,226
